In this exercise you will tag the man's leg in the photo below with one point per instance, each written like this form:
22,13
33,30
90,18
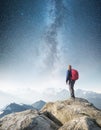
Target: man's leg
71,88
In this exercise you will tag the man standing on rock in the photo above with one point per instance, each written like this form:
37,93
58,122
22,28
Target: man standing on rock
71,76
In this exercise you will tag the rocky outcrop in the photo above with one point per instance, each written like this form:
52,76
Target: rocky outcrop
27,120
70,114
76,114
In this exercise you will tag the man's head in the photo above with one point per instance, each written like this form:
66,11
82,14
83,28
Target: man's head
69,67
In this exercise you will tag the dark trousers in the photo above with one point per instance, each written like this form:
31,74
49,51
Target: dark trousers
71,87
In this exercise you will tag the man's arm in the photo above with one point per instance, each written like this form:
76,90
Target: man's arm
67,74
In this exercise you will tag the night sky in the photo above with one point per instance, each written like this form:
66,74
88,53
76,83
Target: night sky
39,38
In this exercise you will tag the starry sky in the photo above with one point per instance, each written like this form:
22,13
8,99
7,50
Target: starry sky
39,38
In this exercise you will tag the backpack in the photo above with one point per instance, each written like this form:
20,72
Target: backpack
74,74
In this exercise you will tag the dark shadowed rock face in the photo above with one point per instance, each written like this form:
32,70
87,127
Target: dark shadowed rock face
70,114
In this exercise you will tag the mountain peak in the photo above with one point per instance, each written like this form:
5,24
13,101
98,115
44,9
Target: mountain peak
39,104
77,110
71,114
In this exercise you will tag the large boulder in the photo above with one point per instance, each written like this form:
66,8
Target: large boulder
27,120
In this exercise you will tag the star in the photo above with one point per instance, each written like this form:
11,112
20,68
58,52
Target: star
21,13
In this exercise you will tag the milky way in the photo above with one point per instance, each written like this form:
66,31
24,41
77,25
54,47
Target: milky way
23,27
56,14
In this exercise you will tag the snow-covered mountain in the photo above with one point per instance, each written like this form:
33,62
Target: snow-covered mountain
13,107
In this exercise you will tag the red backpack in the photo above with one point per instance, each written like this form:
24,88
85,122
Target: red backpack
75,74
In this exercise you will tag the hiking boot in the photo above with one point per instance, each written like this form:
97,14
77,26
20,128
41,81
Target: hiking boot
72,97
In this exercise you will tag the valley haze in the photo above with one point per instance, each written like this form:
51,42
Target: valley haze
53,94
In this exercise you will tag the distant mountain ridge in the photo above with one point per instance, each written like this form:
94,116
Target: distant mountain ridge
39,104
93,97
13,107
63,94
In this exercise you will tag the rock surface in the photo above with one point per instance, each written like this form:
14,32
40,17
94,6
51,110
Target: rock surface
27,120
76,114
70,114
